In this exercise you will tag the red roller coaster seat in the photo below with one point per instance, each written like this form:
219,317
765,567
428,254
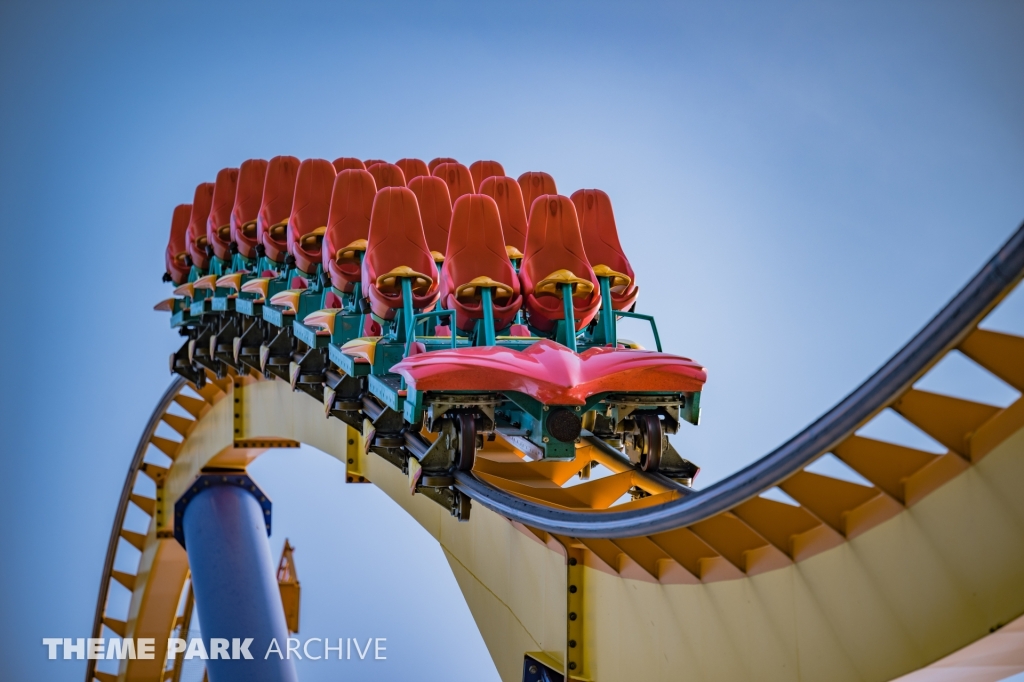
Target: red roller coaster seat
434,163
252,174
457,177
554,251
278,192
476,254
348,163
218,225
395,248
174,256
310,206
372,162
348,226
508,195
601,241
435,212
412,168
387,175
196,240
481,170
535,184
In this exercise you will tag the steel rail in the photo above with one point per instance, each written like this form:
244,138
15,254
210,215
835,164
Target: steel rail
943,333
177,383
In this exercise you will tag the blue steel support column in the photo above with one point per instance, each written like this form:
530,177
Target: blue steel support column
223,522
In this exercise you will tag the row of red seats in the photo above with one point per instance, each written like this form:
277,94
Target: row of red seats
323,212
477,256
253,204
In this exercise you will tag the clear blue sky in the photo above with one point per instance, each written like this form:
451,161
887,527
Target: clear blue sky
799,187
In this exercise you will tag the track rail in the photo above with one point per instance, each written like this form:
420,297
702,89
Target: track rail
177,384
943,333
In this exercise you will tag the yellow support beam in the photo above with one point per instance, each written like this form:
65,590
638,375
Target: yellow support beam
1001,354
886,465
951,421
288,583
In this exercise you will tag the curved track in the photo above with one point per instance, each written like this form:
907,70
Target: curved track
946,331
856,582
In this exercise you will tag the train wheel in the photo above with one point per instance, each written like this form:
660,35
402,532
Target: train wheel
651,439
466,452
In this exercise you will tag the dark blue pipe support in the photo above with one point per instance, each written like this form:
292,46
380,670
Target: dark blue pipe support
223,522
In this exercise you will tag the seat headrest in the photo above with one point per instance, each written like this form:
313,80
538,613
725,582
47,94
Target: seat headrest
196,239
477,259
482,170
220,212
278,190
508,196
476,223
396,235
535,184
435,210
386,175
174,255
179,226
600,235
372,162
412,168
347,162
351,205
252,175
278,193
312,201
601,241
457,177
553,241
434,163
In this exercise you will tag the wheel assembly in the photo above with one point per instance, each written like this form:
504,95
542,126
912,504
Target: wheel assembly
465,453
648,441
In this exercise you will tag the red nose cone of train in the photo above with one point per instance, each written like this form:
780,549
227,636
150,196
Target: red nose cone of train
550,372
